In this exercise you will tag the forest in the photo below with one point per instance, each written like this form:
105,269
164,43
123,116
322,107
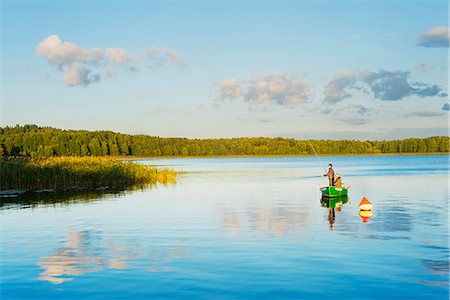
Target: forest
36,141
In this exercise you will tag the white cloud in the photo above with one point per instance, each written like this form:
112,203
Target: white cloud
384,85
63,54
354,121
394,85
326,110
283,89
119,56
338,88
229,89
446,107
161,56
80,65
77,74
109,71
352,109
70,58
425,113
361,109
438,36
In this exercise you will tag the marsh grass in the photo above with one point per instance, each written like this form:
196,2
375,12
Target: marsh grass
77,172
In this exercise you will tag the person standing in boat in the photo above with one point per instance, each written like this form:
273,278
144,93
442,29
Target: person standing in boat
330,175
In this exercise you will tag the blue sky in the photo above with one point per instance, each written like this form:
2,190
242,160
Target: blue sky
302,69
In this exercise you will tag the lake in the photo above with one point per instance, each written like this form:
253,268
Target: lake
249,228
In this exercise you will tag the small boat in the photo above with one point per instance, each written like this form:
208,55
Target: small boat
333,202
331,191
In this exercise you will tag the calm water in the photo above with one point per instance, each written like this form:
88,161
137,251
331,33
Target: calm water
239,228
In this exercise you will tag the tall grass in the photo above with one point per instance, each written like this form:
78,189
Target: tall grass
77,172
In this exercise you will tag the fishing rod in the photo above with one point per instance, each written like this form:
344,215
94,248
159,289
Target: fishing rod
314,150
316,154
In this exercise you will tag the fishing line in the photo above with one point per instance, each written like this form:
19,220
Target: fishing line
314,151
316,154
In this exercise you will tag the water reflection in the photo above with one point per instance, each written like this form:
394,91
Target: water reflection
334,206
232,221
395,218
275,219
86,251
278,221
75,258
438,268
67,197
365,215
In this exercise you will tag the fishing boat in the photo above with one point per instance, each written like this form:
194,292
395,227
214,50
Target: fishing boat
332,191
333,202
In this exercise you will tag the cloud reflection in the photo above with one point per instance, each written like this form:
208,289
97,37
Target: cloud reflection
83,252
258,217
75,258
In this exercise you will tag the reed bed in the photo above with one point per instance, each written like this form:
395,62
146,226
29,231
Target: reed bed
77,172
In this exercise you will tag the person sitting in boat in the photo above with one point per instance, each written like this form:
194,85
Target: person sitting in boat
330,175
338,181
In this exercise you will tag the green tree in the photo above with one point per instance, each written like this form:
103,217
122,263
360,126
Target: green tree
105,149
84,150
113,149
184,151
94,147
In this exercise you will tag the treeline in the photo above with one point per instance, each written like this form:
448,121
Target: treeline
31,140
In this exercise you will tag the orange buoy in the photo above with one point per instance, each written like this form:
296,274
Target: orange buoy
365,215
365,204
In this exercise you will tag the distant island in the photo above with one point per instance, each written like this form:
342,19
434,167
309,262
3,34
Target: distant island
35,141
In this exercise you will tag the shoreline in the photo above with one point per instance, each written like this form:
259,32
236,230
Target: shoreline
275,155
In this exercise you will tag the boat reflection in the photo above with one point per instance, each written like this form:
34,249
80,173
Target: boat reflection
334,206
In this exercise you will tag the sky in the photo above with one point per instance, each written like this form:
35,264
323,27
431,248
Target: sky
368,69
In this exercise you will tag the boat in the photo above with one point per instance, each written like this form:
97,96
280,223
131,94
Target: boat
332,191
333,202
